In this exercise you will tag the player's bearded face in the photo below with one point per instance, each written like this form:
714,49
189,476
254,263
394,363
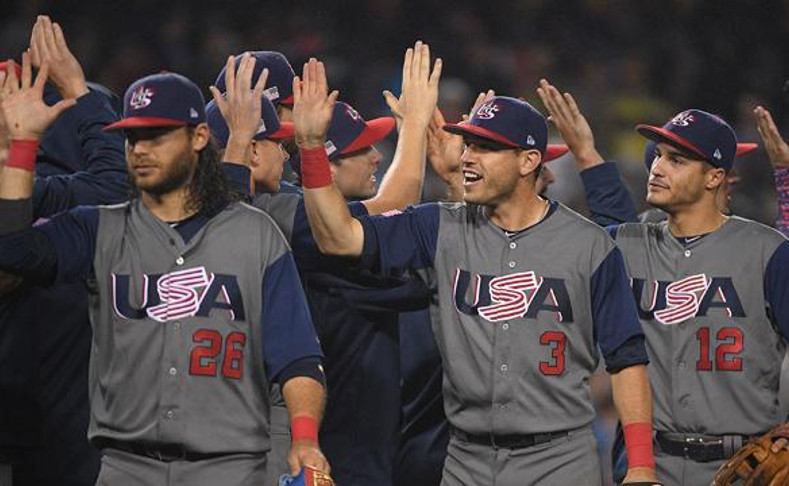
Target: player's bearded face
159,160
354,173
489,176
675,180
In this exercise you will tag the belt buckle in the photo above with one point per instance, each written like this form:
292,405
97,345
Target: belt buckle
493,440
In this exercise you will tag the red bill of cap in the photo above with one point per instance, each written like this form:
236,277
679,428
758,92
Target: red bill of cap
554,150
660,135
746,148
374,131
144,122
17,68
286,130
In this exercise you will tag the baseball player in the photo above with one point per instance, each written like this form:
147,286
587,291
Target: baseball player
356,312
279,91
424,430
45,367
264,156
527,289
715,324
185,338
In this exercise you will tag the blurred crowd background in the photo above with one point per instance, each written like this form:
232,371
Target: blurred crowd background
626,62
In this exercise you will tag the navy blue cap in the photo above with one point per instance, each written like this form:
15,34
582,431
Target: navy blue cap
702,134
649,151
279,85
270,126
161,100
509,121
349,132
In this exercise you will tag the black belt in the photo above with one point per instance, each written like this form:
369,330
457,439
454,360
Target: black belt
165,452
700,448
508,441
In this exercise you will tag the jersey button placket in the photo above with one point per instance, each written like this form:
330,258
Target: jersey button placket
179,261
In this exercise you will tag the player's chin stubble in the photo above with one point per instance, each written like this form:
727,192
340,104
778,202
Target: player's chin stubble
172,177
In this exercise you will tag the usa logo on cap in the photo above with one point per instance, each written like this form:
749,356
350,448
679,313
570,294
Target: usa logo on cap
704,135
161,100
506,120
140,98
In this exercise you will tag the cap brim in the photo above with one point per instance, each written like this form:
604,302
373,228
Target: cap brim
143,122
554,150
17,68
286,130
477,131
287,101
746,148
375,131
660,135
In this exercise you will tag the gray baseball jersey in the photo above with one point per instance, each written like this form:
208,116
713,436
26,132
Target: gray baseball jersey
521,316
188,330
713,311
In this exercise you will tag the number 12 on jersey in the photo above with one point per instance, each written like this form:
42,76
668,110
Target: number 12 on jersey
728,345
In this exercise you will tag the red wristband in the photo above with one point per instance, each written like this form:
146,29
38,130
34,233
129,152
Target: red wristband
22,155
315,171
304,428
638,443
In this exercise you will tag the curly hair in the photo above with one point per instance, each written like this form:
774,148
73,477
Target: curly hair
208,190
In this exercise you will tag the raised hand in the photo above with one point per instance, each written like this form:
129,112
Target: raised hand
48,45
419,93
313,105
571,124
482,98
241,104
775,146
26,115
443,148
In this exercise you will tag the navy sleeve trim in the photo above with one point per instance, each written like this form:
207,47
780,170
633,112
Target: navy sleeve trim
238,177
631,353
776,288
29,254
607,197
395,242
287,329
310,367
104,179
15,215
73,234
614,313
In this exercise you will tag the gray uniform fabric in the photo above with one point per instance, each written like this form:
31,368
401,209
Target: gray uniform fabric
516,334
570,460
495,378
144,387
120,468
715,357
281,207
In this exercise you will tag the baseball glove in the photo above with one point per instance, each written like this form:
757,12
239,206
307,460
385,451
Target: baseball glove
756,464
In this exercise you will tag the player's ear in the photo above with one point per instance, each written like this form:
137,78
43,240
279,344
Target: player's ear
529,161
254,154
201,135
715,177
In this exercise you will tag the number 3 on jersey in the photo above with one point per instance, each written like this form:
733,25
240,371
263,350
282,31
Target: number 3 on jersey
205,357
557,342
